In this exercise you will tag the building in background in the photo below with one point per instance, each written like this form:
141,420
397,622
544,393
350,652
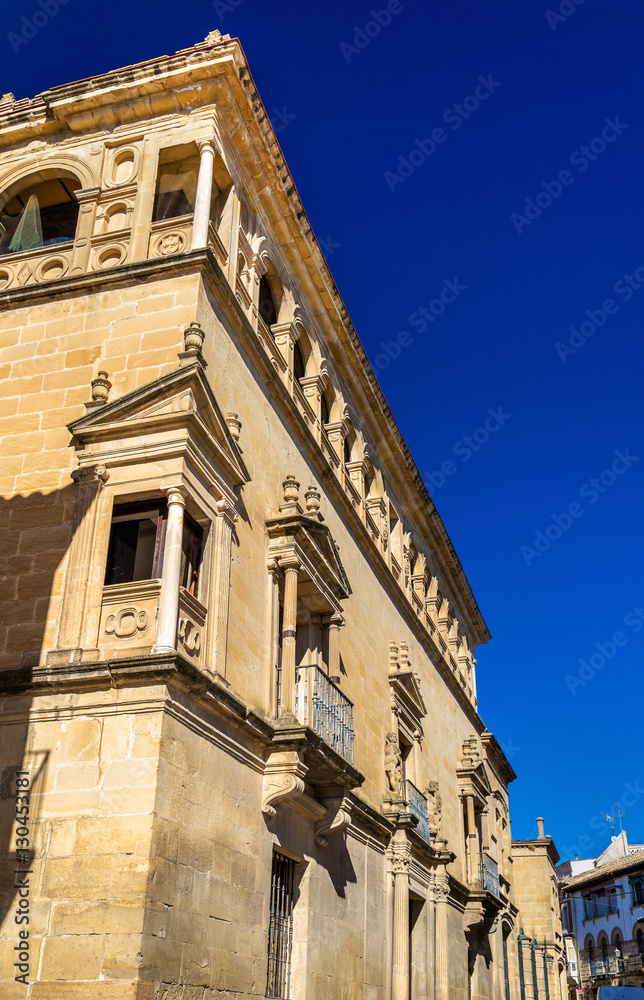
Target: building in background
542,957
237,660
602,908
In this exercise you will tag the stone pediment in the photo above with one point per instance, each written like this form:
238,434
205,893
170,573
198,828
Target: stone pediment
159,418
406,690
472,772
294,534
404,685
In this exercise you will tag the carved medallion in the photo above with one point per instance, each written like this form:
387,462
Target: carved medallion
126,623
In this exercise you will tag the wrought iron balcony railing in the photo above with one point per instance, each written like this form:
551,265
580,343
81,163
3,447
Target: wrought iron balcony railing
489,874
320,704
418,807
606,967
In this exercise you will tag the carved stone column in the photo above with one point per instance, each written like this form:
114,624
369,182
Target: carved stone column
171,577
274,574
81,569
223,529
87,200
334,623
201,217
289,634
400,968
472,841
441,957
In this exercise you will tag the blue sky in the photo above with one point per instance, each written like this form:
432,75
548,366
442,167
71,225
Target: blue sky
491,152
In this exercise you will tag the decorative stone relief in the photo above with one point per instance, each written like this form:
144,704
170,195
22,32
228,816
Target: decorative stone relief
189,636
191,626
51,268
126,623
128,614
284,775
170,243
109,256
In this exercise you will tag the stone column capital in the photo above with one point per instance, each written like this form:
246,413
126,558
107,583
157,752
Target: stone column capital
176,495
207,145
90,474
290,563
226,511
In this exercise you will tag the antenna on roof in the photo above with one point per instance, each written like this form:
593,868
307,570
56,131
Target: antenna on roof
619,813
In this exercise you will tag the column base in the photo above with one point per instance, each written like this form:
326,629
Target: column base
163,649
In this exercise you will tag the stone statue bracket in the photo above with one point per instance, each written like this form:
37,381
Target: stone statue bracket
337,819
393,767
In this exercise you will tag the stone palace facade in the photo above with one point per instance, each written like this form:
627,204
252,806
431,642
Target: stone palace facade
240,743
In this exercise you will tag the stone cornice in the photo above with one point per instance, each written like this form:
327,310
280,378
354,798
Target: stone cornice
529,847
497,758
220,76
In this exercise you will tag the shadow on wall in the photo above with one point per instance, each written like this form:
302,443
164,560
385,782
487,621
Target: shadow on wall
37,534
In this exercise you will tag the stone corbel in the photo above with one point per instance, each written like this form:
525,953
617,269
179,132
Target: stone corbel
338,818
284,775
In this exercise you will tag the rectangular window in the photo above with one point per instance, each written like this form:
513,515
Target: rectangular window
176,188
280,931
136,542
191,551
638,893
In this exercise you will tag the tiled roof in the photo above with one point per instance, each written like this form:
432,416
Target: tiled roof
606,871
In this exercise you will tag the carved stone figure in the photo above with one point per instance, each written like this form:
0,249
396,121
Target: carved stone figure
393,763
435,808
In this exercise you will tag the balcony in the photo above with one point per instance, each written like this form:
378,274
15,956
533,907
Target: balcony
606,967
128,624
489,875
321,705
418,807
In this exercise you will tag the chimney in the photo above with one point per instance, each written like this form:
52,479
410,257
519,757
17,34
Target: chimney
540,827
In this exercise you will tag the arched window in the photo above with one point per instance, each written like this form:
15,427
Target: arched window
326,405
369,480
302,355
347,451
590,948
267,307
299,367
41,214
602,941
640,943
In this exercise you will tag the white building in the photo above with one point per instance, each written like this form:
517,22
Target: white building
602,908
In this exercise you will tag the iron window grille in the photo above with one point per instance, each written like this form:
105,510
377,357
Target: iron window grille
280,931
